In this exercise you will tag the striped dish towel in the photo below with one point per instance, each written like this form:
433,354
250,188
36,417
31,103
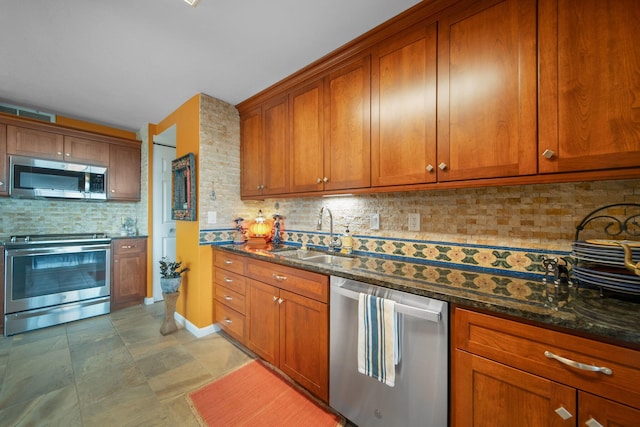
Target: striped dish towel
377,338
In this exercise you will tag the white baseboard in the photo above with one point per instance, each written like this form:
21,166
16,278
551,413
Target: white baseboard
149,301
197,332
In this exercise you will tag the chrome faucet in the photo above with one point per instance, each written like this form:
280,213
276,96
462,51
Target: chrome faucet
333,242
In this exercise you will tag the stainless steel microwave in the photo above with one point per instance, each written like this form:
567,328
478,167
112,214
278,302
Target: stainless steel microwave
35,178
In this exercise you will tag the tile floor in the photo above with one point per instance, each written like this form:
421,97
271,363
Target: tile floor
112,370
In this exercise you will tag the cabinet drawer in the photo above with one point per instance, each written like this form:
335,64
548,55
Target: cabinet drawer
524,347
301,282
230,262
230,280
128,246
229,320
230,298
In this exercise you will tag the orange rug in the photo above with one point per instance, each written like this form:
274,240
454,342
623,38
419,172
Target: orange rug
256,396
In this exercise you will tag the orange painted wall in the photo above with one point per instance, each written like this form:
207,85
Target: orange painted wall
195,302
92,127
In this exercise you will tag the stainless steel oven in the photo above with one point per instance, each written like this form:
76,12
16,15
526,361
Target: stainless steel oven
53,279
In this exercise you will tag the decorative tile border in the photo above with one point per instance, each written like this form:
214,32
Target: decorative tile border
479,257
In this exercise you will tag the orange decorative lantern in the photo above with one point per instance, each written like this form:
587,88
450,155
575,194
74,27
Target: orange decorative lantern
259,231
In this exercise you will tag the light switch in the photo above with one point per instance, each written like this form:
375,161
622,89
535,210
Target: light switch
212,217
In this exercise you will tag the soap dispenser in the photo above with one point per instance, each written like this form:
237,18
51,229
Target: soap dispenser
347,242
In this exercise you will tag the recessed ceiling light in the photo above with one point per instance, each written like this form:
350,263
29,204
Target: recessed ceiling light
192,3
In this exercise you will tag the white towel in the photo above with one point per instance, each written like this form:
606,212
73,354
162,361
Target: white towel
377,338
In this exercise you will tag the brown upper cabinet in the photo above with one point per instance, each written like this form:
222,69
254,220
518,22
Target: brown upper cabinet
487,91
124,173
403,108
54,146
589,85
453,94
265,149
4,181
330,130
49,141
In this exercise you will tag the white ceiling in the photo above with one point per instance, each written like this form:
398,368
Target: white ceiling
125,63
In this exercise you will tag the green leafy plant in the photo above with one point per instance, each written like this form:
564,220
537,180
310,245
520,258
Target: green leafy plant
171,269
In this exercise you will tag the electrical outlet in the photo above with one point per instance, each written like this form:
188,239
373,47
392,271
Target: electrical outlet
414,222
374,222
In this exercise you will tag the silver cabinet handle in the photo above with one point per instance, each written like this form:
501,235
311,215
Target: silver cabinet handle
279,278
228,262
548,154
319,180
429,168
67,154
227,298
275,298
227,320
563,413
1,183
578,365
442,166
227,280
325,179
59,153
591,422
280,300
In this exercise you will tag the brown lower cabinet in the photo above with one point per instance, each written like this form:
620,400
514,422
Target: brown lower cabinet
502,374
278,312
129,272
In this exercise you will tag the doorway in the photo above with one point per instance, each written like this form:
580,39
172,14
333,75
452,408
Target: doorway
164,228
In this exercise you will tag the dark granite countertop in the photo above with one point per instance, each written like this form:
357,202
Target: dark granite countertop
581,311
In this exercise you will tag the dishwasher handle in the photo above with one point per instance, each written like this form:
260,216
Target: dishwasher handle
422,313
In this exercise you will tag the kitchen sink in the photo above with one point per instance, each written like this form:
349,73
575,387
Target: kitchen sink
318,257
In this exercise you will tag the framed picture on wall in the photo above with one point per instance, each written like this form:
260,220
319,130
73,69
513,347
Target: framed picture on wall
183,188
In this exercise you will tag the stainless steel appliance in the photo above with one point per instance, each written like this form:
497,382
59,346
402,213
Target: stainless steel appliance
420,394
31,178
53,279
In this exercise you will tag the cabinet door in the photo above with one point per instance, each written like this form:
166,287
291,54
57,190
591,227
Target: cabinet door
86,151
124,173
605,412
487,93
307,141
304,342
589,85
251,153
263,318
403,147
276,147
487,393
4,161
34,143
347,142
129,282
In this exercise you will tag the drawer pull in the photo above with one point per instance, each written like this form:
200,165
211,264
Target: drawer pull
275,298
280,300
591,422
227,298
227,280
578,365
563,413
128,247
227,320
228,262
279,278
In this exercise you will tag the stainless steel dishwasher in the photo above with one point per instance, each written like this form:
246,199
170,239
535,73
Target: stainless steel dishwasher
420,394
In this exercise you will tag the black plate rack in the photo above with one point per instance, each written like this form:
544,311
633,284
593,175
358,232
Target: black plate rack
599,259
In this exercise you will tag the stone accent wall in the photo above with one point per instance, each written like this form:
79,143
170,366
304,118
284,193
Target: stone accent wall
219,163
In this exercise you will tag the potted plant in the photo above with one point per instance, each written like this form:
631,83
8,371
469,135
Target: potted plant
171,275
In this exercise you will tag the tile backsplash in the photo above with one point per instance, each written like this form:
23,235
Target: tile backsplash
506,228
